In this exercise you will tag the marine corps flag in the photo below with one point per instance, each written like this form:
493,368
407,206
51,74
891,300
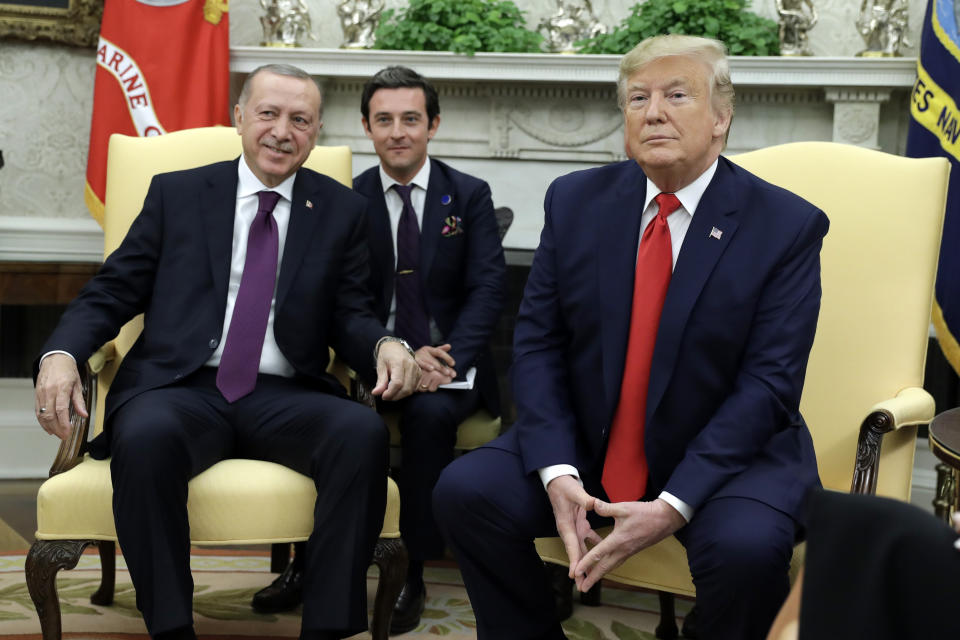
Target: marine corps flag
162,65
935,131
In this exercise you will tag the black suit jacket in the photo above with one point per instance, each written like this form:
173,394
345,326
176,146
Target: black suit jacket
463,273
174,267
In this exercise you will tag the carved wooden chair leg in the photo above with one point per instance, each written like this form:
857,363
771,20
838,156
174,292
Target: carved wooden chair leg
45,559
279,556
390,555
108,573
667,629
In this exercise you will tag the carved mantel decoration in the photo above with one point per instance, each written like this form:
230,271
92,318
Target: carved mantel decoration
75,22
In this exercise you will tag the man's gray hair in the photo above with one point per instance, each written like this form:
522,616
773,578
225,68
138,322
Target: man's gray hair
712,53
281,70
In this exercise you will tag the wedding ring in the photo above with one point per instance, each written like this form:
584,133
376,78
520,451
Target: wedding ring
43,409
423,386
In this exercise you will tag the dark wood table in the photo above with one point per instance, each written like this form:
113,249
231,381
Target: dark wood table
945,444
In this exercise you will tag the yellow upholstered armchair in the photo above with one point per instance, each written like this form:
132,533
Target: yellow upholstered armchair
863,395
233,502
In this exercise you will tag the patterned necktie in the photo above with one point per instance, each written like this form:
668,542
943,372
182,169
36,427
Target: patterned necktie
411,322
240,362
625,466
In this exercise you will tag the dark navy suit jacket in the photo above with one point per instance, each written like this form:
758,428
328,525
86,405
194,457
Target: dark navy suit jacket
174,267
731,351
463,275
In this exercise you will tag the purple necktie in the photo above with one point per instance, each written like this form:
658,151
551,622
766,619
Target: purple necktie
240,362
411,322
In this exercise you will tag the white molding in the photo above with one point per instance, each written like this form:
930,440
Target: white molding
746,71
35,239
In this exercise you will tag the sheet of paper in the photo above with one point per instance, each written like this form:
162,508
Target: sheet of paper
464,382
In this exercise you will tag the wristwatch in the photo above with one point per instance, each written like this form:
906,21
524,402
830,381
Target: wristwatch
403,343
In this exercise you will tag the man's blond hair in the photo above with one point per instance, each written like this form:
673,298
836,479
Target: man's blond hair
712,53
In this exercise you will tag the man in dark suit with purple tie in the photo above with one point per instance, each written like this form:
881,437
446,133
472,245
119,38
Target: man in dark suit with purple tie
659,357
438,278
246,272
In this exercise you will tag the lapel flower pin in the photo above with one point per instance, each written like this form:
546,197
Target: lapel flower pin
452,226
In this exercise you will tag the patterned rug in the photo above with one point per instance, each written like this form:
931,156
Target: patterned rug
225,582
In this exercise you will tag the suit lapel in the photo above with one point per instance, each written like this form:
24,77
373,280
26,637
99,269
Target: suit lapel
382,251
617,257
218,206
434,212
300,230
716,215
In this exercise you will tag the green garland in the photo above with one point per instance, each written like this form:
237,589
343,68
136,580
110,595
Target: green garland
461,26
744,32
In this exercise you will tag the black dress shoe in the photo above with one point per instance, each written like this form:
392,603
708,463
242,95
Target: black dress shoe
283,594
409,607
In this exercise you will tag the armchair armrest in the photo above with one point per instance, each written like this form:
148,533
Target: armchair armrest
71,450
911,406
350,380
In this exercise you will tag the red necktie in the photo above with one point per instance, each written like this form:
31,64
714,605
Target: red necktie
625,467
240,362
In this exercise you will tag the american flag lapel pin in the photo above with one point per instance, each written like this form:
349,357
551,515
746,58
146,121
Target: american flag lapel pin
715,233
309,204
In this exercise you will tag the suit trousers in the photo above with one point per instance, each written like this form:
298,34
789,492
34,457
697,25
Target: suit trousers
162,438
490,511
428,428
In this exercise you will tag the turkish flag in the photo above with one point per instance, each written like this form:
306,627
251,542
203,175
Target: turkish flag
162,65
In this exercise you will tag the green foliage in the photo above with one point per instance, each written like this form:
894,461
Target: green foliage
461,26
744,32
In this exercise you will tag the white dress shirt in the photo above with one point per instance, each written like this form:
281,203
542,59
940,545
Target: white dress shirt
248,186
418,198
679,222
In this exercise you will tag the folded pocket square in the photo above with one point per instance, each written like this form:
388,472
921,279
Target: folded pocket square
452,226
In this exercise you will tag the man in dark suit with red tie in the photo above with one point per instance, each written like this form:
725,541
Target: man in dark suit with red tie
659,358
245,271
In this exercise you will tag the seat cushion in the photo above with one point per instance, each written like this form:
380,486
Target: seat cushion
233,502
662,567
476,431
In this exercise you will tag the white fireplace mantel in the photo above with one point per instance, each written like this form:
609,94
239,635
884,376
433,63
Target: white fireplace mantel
767,71
520,120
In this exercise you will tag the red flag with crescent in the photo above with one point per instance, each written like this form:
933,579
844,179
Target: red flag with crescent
162,65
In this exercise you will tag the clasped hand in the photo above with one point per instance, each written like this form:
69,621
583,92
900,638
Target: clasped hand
58,384
437,365
637,525
397,373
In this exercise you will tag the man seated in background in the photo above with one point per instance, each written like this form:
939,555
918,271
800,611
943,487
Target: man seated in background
438,279
659,357
246,271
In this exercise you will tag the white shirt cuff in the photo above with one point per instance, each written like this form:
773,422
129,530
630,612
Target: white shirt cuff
50,353
555,471
685,510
